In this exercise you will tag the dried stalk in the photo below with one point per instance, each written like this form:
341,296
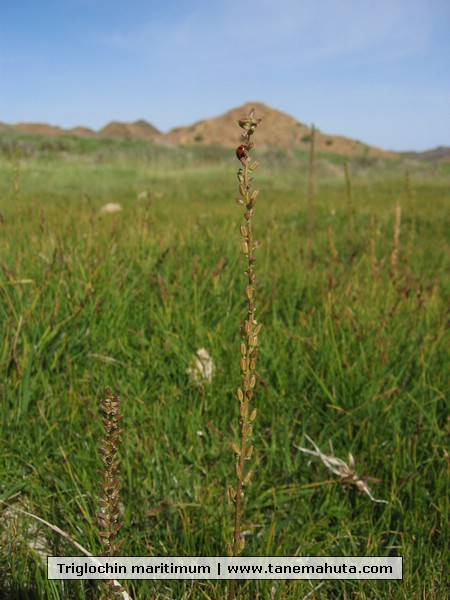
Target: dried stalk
16,174
109,514
348,185
410,199
249,332
311,186
396,242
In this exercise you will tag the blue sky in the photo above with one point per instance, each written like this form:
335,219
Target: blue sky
374,70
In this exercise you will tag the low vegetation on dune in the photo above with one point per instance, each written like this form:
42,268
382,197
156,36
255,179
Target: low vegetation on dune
352,288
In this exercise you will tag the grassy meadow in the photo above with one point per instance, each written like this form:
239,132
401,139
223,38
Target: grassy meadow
354,350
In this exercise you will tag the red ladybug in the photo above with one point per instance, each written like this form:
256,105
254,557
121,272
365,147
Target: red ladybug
242,152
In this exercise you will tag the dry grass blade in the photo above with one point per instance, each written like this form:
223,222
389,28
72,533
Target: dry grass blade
345,472
313,591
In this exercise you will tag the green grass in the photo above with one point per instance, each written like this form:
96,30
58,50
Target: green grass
125,300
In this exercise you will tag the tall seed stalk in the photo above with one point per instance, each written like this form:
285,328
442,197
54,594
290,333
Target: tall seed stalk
109,514
396,242
311,186
16,174
249,333
348,184
412,225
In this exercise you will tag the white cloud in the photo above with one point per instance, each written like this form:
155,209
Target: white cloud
314,31
280,34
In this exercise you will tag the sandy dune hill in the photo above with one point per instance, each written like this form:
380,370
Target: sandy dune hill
441,153
140,130
279,130
82,131
36,129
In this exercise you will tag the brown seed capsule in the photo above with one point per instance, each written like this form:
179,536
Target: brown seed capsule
249,452
229,550
244,123
252,382
235,449
247,477
257,329
252,364
249,293
242,190
241,544
254,195
243,230
231,492
243,349
240,395
243,365
245,247
249,431
252,340
239,202
238,472
254,165
253,415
